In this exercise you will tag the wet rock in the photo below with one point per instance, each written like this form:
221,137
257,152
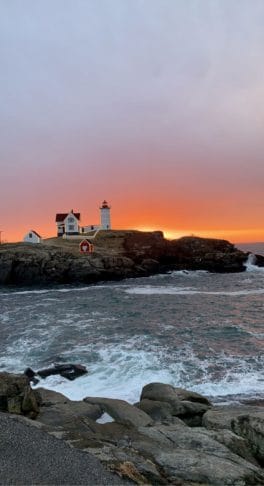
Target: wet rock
29,373
121,411
69,371
259,260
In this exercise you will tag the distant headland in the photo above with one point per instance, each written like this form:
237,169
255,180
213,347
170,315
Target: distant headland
117,254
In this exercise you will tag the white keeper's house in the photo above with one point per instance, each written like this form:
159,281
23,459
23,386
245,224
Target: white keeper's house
69,224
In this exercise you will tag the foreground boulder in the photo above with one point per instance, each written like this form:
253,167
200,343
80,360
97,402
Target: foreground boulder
191,455
187,405
56,410
149,443
16,395
121,411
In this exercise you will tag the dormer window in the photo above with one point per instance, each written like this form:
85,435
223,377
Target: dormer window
71,220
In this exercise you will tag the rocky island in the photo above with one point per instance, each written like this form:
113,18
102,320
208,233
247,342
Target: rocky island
171,436
117,255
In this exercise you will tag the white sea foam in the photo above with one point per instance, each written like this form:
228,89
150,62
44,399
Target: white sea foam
251,264
63,290
171,290
121,373
188,273
180,273
104,419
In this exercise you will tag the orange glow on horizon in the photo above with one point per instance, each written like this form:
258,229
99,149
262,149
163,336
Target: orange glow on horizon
47,229
235,236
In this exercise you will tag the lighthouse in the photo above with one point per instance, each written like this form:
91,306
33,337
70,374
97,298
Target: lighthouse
105,216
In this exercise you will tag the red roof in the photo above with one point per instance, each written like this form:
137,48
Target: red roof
60,217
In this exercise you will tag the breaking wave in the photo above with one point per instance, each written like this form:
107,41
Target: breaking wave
171,290
251,264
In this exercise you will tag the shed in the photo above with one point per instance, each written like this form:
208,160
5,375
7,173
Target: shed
32,237
86,246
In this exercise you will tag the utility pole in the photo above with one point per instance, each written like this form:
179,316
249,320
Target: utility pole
1,236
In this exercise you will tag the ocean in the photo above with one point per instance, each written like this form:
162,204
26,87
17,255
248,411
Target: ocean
197,330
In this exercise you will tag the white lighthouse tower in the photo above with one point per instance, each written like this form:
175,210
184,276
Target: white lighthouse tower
105,216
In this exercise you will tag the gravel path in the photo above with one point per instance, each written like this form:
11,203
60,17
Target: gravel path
29,456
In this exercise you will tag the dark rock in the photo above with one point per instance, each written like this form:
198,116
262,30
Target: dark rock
29,373
69,371
118,255
16,396
259,260
186,253
251,427
154,391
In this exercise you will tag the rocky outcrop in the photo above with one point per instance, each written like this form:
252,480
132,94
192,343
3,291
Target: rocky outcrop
186,253
117,255
151,443
16,395
189,406
259,260
251,427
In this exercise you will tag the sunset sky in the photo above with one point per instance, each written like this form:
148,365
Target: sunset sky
155,105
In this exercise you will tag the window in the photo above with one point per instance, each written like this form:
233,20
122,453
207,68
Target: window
71,227
30,235
71,220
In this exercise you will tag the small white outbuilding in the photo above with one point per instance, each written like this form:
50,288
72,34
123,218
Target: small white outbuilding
32,237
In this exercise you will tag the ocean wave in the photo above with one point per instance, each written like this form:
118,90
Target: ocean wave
189,273
171,290
121,371
63,290
251,264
